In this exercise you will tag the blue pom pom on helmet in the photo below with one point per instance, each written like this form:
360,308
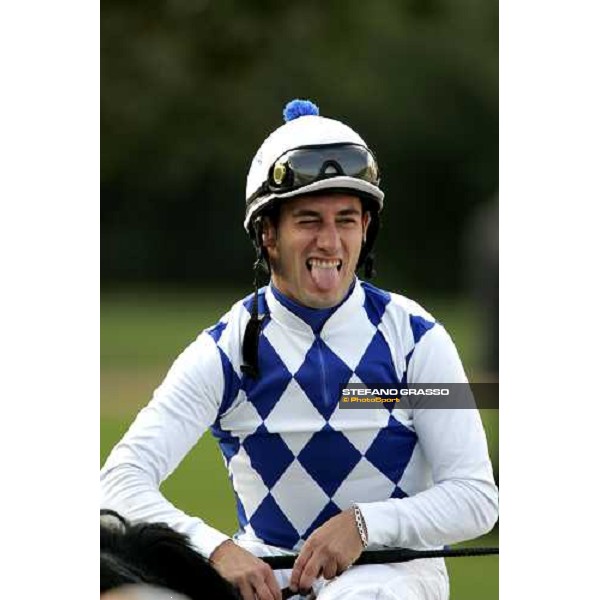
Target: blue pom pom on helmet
299,108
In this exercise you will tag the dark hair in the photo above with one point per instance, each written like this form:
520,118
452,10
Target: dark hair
273,213
155,553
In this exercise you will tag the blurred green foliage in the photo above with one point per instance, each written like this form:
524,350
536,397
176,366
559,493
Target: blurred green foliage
191,88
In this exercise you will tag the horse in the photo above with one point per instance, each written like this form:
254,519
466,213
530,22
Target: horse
156,554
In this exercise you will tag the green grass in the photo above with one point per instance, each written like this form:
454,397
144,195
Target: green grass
147,328
475,578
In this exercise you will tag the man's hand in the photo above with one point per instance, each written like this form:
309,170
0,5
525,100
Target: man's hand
252,576
329,551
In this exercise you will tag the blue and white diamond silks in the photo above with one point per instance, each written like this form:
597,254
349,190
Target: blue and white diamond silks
294,457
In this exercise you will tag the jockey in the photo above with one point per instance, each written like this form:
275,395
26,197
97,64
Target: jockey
308,476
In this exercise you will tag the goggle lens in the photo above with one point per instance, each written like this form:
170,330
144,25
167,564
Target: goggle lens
304,166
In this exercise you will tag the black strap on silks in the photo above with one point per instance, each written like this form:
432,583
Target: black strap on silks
250,346
390,555
252,332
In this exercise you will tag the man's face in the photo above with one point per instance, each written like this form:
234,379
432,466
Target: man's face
315,248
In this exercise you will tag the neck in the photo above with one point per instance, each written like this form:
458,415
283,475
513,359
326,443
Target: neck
315,317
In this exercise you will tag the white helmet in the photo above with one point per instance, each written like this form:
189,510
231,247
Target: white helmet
327,141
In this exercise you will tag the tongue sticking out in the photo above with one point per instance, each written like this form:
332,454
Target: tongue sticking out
326,279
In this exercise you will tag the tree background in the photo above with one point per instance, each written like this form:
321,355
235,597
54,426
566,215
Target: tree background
190,89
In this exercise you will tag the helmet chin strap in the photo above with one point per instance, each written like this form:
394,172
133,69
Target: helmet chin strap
369,266
252,333
367,255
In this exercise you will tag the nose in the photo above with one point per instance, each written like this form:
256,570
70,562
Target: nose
328,238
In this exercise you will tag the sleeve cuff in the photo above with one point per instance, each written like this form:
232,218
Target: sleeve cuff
206,539
382,522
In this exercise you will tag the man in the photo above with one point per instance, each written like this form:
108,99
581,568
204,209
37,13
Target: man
308,476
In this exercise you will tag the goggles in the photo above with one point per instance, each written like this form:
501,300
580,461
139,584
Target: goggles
302,166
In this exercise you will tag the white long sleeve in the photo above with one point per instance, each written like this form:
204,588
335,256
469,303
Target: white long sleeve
182,408
463,502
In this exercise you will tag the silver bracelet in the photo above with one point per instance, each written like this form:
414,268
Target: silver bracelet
361,526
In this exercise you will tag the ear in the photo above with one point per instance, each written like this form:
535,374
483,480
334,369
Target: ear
269,233
366,220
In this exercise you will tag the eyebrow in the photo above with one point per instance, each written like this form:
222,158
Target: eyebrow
305,212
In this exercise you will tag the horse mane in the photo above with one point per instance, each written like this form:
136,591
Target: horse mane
156,554
115,572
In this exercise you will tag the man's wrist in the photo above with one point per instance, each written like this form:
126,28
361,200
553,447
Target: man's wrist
222,547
